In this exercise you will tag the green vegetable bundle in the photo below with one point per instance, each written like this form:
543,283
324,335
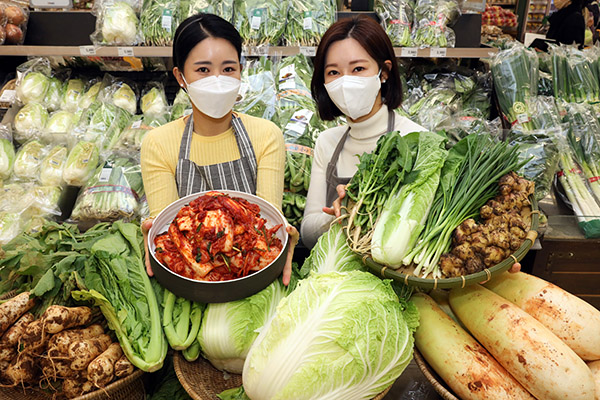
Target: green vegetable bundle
258,90
260,22
575,76
181,320
515,73
222,8
112,193
159,20
293,205
182,104
432,18
396,18
307,21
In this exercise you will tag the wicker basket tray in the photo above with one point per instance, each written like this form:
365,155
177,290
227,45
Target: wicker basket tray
406,276
438,384
128,388
204,382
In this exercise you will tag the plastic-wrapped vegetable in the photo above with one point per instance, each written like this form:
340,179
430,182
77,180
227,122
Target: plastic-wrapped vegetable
90,96
117,24
28,160
7,158
102,123
258,91
159,20
61,122
30,121
45,201
52,166
125,98
222,8
397,18
54,94
132,136
181,105
73,92
154,102
293,85
10,226
307,21
33,88
260,22
112,193
81,163
432,18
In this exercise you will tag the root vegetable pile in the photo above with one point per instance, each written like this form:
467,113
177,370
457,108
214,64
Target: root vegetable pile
59,351
502,230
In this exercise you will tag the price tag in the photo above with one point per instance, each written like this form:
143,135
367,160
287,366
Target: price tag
167,20
287,77
125,51
8,96
522,118
105,174
408,52
308,21
256,19
262,50
308,51
87,51
136,124
437,52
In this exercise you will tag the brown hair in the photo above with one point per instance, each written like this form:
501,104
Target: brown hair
376,42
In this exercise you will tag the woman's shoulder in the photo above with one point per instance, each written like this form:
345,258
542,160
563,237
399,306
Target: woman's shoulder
405,125
332,134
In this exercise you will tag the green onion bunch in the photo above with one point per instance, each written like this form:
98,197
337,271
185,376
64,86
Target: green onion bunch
307,21
260,22
397,20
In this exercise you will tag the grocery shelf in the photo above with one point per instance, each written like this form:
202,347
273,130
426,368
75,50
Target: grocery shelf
149,51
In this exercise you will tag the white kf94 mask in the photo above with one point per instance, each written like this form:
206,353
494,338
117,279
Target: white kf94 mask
354,95
214,95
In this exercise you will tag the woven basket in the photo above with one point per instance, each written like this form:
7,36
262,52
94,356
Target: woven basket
128,388
433,378
204,382
406,276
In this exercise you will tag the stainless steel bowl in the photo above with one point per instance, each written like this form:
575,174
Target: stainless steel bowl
222,291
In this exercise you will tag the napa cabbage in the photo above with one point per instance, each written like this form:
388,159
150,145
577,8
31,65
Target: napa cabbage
336,336
229,329
33,88
154,103
73,93
54,94
81,163
7,158
52,166
125,98
120,24
29,121
404,212
90,96
28,160
61,122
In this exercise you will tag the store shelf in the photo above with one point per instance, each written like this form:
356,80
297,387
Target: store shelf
143,51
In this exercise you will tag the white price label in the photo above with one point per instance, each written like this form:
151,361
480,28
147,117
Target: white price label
125,51
105,174
137,124
167,20
308,51
262,50
8,96
255,22
287,77
87,50
523,118
408,52
437,52
308,24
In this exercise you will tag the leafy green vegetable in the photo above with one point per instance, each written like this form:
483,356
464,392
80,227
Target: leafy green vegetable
125,98
119,24
10,226
73,92
307,21
61,122
259,22
229,329
404,212
28,160
155,18
154,103
54,95
396,18
52,166
432,18
33,88
90,96
222,8
7,158
337,335
30,121
181,320
81,163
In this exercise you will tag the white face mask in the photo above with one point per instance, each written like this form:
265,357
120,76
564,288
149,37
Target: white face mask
214,95
354,95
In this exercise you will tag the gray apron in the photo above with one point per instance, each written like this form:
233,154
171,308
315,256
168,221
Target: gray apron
237,175
331,176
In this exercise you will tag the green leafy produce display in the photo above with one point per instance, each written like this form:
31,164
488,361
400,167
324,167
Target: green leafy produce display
307,21
432,17
159,20
259,22
258,96
293,205
222,8
575,75
397,19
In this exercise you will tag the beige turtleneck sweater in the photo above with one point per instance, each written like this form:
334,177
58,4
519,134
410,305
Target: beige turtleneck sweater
362,139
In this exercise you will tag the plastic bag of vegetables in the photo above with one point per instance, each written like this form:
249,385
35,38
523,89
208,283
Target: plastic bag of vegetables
396,18
222,8
61,122
7,158
102,124
119,93
29,122
81,163
11,225
90,95
52,166
182,105
132,136
258,96
159,20
432,18
113,191
260,22
307,21
33,83
45,201
117,24
154,101
54,94
28,160
74,89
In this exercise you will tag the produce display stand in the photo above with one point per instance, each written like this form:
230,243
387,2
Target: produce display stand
203,382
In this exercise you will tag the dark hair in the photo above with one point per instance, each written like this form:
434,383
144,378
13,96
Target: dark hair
199,27
376,42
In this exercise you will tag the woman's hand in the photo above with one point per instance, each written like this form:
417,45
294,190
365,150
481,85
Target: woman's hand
335,210
146,225
287,269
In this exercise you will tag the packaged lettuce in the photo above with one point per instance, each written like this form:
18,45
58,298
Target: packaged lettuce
154,102
182,105
45,201
29,121
28,160
81,163
33,87
54,95
73,92
52,166
61,122
125,98
90,96
10,226
7,158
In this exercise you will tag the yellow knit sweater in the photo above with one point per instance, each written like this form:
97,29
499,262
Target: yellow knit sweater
160,153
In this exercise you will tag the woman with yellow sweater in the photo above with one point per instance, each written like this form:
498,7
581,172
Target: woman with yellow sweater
213,148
